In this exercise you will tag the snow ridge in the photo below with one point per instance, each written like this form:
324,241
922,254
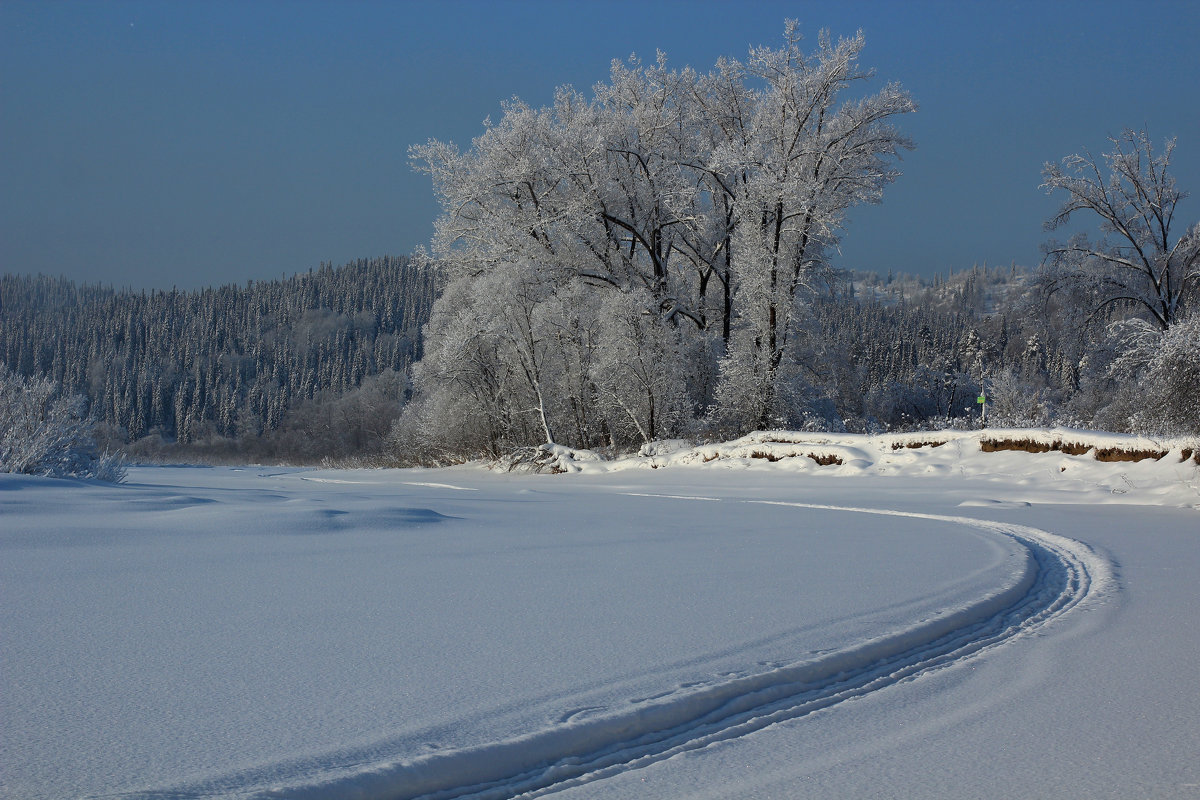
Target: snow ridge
1059,574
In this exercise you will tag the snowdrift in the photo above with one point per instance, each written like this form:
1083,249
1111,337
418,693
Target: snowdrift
296,633
1083,466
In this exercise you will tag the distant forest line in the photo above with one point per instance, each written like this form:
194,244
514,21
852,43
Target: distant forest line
317,366
298,368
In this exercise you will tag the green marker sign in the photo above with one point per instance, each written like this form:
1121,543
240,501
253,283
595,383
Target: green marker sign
980,399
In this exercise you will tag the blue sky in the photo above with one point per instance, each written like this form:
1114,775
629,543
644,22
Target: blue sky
159,144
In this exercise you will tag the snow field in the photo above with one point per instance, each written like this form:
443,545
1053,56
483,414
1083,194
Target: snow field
455,633
227,631
1056,575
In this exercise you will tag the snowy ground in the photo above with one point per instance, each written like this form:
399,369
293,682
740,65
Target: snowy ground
1016,625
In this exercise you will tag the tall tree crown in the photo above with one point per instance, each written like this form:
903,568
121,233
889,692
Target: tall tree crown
1139,261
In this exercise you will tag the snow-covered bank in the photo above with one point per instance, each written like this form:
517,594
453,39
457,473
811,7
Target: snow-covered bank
624,631
1062,464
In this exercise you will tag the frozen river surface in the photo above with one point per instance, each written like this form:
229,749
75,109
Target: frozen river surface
670,633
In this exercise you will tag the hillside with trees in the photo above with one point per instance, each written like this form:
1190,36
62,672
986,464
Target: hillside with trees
298,368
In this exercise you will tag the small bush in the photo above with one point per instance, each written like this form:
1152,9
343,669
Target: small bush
916,445
45,433
1032,446
823,460
1022,445
1123,454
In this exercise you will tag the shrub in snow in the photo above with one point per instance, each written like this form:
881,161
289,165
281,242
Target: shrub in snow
551,459
1162,371
1173,379
1014,403
45,433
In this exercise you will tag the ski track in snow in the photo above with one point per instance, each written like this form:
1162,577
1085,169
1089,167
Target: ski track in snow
440,486
588,744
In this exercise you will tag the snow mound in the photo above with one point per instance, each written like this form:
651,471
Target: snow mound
548,458
1066,465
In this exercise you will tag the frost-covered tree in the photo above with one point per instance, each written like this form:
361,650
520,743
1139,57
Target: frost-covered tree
1159,376
1013,402
671,217
1140,262
222,372
1173,375
808,156
43,432
642,395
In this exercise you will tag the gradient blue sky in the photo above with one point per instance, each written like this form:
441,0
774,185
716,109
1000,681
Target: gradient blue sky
152,144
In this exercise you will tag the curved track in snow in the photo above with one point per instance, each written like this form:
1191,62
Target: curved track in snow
1059,575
